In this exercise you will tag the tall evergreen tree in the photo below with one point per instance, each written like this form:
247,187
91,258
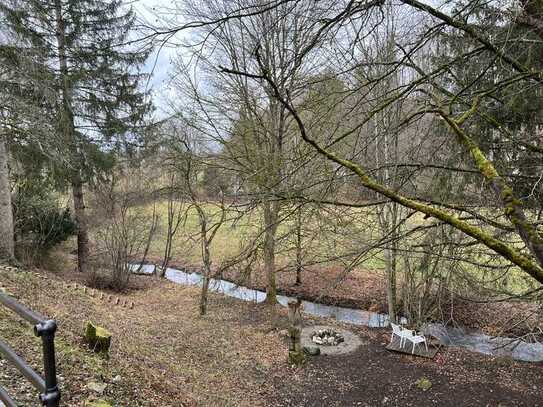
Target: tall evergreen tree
512,107
97,103
24,101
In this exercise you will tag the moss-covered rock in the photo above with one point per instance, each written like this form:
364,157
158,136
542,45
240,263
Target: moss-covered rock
99,339
424,384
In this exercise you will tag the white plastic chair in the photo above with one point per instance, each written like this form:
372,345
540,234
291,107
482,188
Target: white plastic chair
398,331
415,339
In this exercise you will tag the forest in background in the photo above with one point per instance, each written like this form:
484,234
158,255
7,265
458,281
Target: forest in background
393,139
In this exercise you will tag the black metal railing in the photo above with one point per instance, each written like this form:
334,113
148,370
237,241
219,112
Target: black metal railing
45,329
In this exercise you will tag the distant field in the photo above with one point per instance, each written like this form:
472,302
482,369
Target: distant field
331,240
321,247
328,242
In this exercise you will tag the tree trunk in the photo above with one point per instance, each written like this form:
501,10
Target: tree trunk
167,253
295,353
389,225
69,134
170,233
390,255
270,223
299,257
82,226
7,245
203,294
206,257
206,271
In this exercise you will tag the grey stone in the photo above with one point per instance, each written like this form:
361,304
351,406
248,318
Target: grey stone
99,388
351,341
283,333
312,350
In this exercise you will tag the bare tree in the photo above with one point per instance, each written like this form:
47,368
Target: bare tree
175,217
125,228
186,161
241,115
440,104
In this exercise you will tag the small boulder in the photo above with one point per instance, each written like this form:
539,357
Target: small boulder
96,387
312,350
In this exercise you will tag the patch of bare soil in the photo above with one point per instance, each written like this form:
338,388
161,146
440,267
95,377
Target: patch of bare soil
164,354
373,376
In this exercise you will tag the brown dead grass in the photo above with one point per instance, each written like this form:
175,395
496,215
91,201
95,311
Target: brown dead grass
167,355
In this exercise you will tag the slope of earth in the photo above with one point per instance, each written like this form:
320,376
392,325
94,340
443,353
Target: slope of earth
164,354
366,290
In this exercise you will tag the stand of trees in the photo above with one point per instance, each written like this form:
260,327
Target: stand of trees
439,119
349,129
81,81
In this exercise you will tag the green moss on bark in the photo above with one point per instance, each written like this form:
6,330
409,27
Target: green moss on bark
99,339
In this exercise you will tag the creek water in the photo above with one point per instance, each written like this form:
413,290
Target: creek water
448,336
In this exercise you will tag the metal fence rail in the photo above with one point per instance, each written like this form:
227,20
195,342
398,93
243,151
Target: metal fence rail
45,329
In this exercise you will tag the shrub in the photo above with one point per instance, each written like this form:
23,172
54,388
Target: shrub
125,229
40,221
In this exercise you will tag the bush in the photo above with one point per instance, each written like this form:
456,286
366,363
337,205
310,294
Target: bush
48,227
40,222
124,232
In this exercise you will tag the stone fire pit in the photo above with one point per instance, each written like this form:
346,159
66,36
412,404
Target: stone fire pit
335,341
327,337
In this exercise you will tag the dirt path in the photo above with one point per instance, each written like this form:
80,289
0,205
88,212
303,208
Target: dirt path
163,354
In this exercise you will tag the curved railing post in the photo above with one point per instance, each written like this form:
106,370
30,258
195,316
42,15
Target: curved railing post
46,331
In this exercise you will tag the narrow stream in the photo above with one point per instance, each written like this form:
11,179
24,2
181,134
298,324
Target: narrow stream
449,336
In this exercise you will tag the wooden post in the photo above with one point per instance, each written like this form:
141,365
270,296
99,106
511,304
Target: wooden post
295,352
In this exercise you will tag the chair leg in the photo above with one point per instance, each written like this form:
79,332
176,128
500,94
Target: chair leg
413,351
426,345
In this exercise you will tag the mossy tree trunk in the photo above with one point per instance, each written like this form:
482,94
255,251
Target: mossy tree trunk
6,211
271,210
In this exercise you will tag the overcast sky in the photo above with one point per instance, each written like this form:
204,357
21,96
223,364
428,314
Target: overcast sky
158,63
